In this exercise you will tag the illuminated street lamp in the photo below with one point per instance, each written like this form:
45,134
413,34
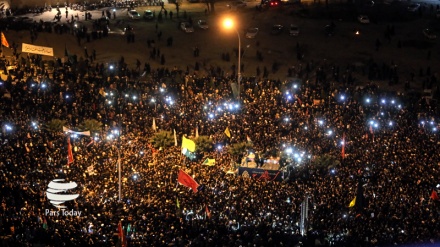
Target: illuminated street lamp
229,24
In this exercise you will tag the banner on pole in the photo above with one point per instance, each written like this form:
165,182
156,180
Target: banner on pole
35,49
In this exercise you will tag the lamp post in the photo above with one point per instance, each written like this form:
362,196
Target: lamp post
228,24
116,132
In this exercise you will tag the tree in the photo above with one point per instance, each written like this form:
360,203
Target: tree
324,162
162,139
238,149
55,125
203,144
91,125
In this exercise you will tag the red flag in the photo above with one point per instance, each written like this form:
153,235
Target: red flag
4,41
90,143
69,152
187,180
208,213
343,146
299,100
121,235
434,196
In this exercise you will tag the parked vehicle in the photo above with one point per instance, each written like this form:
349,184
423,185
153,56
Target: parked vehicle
363,19
186,27
428,33
277,29
148,15
294,30
251,33
134,15
203,24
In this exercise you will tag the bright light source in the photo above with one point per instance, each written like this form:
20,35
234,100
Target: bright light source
368,100
219,109
376,125
211,115
286,119
43,85
390,123
320,122
289,97
329,132
219,147
237,106
134,97
8,127
109,102
393,102
383,101
289,150
161,90
111,67
342,97
153,100
228,23
305,127
295,86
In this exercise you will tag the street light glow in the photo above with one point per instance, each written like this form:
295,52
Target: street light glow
228,23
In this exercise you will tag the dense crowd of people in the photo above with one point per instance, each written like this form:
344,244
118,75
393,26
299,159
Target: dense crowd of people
390,161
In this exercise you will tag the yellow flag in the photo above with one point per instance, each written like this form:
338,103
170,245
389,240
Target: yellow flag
352,203
228,132
209,162
188,144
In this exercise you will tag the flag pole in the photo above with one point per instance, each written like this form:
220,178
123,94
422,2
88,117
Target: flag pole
119,172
